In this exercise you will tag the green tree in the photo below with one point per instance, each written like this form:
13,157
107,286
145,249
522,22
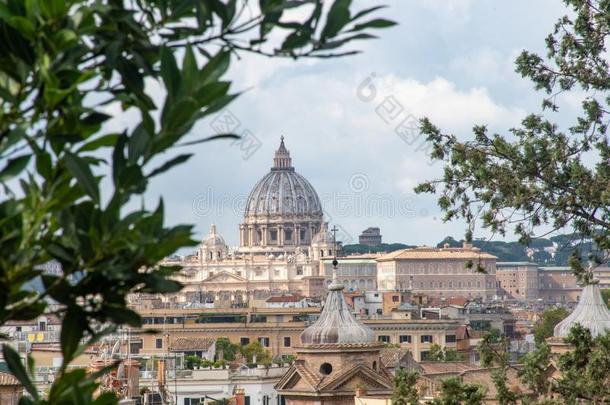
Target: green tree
547,322
225,349
493,350
455,392
541,177
63,63
256,351
405,388
438,353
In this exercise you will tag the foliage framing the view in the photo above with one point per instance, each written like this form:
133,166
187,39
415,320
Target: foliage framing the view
541,176
63,65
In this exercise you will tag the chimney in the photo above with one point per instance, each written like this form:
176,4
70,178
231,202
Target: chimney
240,397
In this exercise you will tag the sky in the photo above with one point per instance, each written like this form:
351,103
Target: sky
347,122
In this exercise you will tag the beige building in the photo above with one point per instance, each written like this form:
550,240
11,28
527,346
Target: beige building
439,272
11,389
558,284
278,329
517,280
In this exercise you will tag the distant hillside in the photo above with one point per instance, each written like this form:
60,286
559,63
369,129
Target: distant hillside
553,251
384,247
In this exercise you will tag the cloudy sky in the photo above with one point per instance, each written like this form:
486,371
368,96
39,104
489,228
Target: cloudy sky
450,60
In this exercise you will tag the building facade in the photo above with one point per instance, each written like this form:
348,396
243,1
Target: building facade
370,237
439,272
517,280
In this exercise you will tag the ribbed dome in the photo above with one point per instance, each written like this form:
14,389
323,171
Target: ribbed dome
591,313
283,191
336,324
213,238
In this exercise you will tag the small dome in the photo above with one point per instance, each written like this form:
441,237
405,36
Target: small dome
324,236
283,191
213,239
591,313
336,324
271,257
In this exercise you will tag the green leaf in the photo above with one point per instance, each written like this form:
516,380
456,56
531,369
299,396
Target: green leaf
366,11
337,18
215,68
82,172
14,167
170,163
13,361
210,138
72,331
376,23
23,25
170,73
103,141
297,39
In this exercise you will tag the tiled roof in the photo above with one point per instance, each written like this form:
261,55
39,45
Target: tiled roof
391,356
312,378
437,253
7,379
284,298
191,344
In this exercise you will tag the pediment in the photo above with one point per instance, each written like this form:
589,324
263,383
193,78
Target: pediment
297,378
359,376
225,277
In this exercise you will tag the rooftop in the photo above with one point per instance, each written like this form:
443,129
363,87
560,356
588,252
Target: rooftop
426,252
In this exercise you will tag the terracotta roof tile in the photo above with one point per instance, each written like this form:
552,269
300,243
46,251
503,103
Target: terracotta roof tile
7,379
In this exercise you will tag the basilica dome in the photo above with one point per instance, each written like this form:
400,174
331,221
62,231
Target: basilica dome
283,191
213,239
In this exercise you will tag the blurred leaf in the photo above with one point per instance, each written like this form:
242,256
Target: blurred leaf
14,167
81,171
13,361
338,17
376,23
169,164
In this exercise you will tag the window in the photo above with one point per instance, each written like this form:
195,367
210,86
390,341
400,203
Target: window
404,338
244,341
426,339
395,298
424,355
247,400
321,253
326,368
379,311
273,235
288,234
264,340
299,270
450,339
287,341
159,343
384,338
303,235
